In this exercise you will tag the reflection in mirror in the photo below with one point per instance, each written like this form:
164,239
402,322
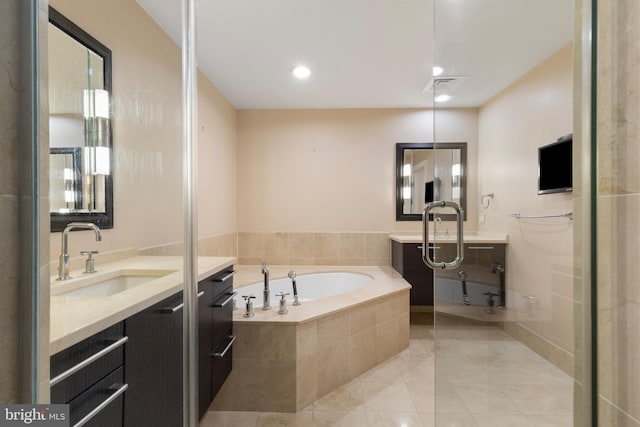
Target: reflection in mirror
65,173
425,174
81,182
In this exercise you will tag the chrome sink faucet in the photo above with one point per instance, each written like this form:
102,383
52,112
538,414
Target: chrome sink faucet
266,296
63,267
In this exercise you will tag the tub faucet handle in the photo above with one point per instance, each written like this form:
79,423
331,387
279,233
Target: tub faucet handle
283,303
249,305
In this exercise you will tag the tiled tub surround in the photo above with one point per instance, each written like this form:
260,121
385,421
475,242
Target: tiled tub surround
284,248
218,245
283,363
76,318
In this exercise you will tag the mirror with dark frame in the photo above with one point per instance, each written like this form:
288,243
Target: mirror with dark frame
419,182
80,138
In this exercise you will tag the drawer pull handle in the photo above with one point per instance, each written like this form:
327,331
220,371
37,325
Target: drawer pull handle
220,354
88,361
121,388
179,306
480,247
430,247
225,278
230,296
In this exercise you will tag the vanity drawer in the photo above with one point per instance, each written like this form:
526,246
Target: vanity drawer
82,365
222,363
108,395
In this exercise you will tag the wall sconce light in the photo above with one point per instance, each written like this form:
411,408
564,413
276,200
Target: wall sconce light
406,193
68,174
97,160
406,169
69,196
97,156
455,169
96,103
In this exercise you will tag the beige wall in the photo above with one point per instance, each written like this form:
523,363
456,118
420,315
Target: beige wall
147,134
333,170
533,111
618,210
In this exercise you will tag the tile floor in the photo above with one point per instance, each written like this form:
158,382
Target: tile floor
485,378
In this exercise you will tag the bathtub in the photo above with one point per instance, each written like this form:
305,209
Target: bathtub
350,319
311,287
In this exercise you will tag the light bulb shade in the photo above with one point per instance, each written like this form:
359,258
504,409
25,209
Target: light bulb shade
101,98
97,160
88,103
96,103
68,174
406,169
455,169
455,193
69,196
406,193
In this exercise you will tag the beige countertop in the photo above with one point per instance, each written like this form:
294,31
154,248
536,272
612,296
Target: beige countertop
74,318
481,237
386,281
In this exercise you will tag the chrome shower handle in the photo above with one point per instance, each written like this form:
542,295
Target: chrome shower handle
459,238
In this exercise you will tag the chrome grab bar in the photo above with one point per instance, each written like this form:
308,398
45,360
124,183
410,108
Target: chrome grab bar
425,236
121,388
75,368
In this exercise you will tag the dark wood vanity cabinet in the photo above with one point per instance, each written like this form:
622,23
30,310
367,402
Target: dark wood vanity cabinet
89,375
483,267
215,335
154,354
153,365
481,262
406,259
483,270
137,364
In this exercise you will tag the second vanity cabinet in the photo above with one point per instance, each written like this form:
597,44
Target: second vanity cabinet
406,259
483,271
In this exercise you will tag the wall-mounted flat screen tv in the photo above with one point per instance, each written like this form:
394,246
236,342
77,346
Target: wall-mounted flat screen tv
555,166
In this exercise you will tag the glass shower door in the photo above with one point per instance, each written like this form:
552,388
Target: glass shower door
508,317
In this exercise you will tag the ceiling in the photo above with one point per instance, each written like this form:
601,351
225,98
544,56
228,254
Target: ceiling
367,53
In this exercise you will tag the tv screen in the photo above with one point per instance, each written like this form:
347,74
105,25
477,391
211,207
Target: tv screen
428,192
555,166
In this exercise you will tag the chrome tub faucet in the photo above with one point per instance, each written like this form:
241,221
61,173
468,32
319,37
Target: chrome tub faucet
63,267
292,276
266,293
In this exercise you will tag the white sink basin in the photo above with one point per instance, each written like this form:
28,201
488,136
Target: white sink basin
111,283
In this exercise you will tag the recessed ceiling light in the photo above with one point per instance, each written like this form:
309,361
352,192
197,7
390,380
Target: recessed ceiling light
442,98
301,72
437,71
